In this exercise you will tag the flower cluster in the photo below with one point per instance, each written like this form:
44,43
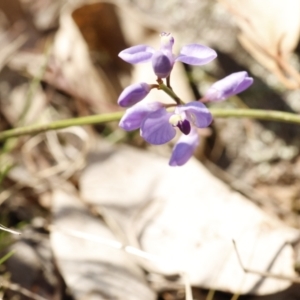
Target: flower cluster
157,121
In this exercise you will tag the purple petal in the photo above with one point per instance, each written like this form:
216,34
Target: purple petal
244,83
133,94
162,63
228,86
184,148
197,55
137,54
156,128
135,115
184,126
197,113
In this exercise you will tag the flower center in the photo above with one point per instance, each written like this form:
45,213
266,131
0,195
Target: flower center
180,122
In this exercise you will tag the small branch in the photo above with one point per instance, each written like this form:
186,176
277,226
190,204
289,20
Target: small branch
267,115
2,227
19,289
188,287
107,242
260,273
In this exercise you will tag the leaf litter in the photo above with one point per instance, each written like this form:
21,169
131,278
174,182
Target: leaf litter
175,223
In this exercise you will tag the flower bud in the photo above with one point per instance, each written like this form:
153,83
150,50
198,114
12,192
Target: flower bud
133,94
162,63
166,41
163,59
228,86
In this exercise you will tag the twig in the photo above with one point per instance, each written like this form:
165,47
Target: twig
2,227
261,273
104,241
17,288
210,294
188,288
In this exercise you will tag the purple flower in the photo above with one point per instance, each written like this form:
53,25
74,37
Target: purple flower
133,94
157,125
228,86
164,59
158,121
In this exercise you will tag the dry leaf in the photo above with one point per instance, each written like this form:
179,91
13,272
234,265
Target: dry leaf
91,270
188,218
9,47
72,70
270,32
20,101
31,267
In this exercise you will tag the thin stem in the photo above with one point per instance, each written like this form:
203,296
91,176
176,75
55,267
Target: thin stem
169,82
170,92
38,128
267,115
7,256
210,295
154,86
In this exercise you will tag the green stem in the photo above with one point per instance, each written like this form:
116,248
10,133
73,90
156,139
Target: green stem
267,115
7,256
170,92
38,128
168,79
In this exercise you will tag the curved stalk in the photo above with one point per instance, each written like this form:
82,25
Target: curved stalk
267,115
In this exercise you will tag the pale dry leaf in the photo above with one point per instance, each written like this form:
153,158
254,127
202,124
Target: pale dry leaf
18,100
57,161
96,22
91,270
44,12
134,32
272,24
188,218
269,31
31,266
40,167
9,47
28,62
72,70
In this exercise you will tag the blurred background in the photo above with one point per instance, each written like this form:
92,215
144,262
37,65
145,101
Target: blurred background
67,189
